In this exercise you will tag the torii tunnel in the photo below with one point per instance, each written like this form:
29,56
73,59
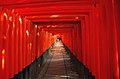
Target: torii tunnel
59,39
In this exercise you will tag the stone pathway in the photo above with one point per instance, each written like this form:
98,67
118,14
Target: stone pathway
59,65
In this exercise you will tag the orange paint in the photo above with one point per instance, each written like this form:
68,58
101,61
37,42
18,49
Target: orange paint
3,59
3,63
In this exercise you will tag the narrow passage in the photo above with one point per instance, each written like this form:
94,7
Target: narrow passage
58,65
